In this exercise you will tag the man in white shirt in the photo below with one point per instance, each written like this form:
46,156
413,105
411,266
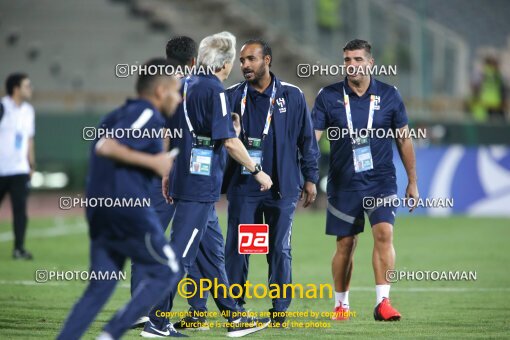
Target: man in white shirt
17,159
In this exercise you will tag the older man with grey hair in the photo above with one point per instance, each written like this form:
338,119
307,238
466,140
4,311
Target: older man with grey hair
195,183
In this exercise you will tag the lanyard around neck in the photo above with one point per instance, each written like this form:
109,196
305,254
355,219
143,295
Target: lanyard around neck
184,95
269,110
349,116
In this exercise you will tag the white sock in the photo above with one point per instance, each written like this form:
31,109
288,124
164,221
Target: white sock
342,298
381,291
104,336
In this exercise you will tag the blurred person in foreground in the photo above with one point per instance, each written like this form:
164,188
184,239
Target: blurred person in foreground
181,53
17,157
362,168
124,169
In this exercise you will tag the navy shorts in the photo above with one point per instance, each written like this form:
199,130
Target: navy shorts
346,210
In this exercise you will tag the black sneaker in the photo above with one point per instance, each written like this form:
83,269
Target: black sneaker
21,254
193,323
246,325
277,319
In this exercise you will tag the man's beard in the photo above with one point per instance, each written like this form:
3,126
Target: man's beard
258,75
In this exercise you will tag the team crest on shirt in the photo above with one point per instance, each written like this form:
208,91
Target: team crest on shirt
377,102
281,105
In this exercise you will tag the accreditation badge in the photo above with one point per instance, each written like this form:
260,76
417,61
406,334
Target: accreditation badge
362,155
18,140
201,157
254,147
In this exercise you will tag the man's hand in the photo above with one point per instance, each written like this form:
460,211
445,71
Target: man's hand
237,123
309,194
162,163
265,181
412,192
164,190
406,151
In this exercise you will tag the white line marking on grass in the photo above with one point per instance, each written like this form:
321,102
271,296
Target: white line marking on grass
48,283
361,289
57,230
29,283
435,289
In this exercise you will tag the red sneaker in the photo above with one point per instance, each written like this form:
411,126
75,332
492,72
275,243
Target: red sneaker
341,314
384,312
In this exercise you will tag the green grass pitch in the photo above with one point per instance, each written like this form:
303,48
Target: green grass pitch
462,309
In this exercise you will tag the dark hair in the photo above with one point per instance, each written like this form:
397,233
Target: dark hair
358,44
14,80
181,50
266,49
147,79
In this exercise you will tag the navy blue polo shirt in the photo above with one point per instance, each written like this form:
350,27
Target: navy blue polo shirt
110,179
329,111
254,120
209,113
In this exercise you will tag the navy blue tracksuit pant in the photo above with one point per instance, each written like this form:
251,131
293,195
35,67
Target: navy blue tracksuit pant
197,241
165,213
278,214
137,236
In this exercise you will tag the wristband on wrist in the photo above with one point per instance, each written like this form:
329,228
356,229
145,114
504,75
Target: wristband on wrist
258,168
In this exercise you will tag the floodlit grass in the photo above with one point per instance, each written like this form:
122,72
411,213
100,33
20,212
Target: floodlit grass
462,309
